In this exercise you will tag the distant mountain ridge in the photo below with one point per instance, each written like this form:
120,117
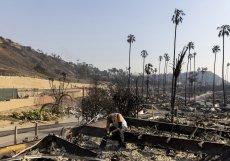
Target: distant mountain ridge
207,78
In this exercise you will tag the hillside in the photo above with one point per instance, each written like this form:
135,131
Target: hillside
207,78
18,60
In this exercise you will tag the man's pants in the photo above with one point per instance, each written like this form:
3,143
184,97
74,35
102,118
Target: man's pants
118,135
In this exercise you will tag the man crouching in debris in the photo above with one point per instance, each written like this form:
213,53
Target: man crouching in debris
115,128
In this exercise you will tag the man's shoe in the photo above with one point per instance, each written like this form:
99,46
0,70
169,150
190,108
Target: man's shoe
103,143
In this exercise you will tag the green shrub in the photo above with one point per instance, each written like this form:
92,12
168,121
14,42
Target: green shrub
15,115
31,115
46,116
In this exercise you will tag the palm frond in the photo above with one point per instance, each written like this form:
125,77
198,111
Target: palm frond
148,68
177,17
144,53
179,62
160,58
220,33
131,38
190,45
224,30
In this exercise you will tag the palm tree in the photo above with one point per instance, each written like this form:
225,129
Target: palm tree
186,78
215,50
167,58
154,77
198,73
176,19
148,71
190,77
130,40
198,80
190,46
224,30
144,54
194,75
160,59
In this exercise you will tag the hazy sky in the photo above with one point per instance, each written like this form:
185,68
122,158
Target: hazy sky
95,31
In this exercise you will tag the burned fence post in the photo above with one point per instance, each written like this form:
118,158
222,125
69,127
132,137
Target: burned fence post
83,92
36,131
62,132
15,134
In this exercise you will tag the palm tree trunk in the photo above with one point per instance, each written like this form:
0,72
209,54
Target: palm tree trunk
137,86
223,75
185,89
202,79
164,78
166,75
213,85
189,81
142,90
173,99
147,85
173,80
174,52
227,74
129,65
155,82
159,79
194,81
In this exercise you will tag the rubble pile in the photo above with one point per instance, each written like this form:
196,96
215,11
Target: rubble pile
54,148
134,152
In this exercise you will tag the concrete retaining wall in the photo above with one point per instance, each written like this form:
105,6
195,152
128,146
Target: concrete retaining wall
31,101
27,82
38,84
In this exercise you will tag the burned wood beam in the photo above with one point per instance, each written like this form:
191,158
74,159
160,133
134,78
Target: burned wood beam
169,127
7,150
186,145
54,157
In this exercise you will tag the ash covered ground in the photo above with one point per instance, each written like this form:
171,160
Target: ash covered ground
134,152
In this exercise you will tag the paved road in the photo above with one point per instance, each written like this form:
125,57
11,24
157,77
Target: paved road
9,140
7,136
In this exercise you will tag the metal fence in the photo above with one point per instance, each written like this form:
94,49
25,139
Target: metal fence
8,93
